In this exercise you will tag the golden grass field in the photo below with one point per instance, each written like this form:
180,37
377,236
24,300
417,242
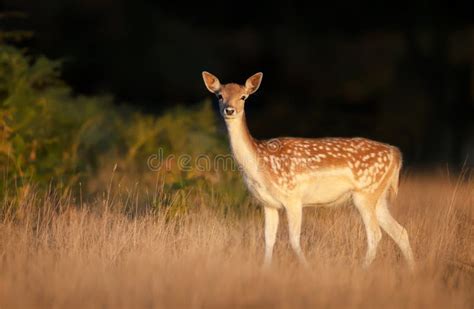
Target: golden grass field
65,254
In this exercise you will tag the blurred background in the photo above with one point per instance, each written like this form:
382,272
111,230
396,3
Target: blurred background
399,75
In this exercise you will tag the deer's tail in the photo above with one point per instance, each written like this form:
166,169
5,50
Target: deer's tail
395,177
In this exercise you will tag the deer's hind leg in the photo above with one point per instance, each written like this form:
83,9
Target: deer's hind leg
397,232
365,203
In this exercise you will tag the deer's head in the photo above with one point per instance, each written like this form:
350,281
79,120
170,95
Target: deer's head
232,96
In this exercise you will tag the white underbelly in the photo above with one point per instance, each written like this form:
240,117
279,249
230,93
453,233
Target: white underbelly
327,188
318,189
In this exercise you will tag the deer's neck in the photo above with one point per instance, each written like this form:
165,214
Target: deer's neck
243,145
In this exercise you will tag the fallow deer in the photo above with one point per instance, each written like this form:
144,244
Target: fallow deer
291,173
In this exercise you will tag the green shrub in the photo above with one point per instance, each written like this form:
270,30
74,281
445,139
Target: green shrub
50,136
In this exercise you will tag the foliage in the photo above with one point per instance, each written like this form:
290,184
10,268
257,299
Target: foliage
43,124
49,135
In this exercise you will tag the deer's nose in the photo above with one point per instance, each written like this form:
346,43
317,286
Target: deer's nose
229,111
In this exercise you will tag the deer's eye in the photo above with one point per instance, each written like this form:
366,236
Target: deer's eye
243,97
219,97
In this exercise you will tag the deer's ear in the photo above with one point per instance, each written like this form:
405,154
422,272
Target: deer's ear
253,82
212,83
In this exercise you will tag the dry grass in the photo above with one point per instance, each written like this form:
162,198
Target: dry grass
61,255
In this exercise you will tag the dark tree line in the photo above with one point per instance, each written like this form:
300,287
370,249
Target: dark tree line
402,75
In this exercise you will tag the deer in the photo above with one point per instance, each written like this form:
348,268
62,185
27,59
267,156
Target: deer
290,173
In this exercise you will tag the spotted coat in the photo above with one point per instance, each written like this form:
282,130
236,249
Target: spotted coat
285,158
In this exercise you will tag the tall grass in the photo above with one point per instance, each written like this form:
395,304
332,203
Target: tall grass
115,252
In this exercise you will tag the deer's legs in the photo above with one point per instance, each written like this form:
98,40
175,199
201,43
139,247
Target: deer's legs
394,230
294,213
271,227
366,206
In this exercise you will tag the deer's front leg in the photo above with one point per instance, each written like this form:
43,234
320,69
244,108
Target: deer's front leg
271,227
295,215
